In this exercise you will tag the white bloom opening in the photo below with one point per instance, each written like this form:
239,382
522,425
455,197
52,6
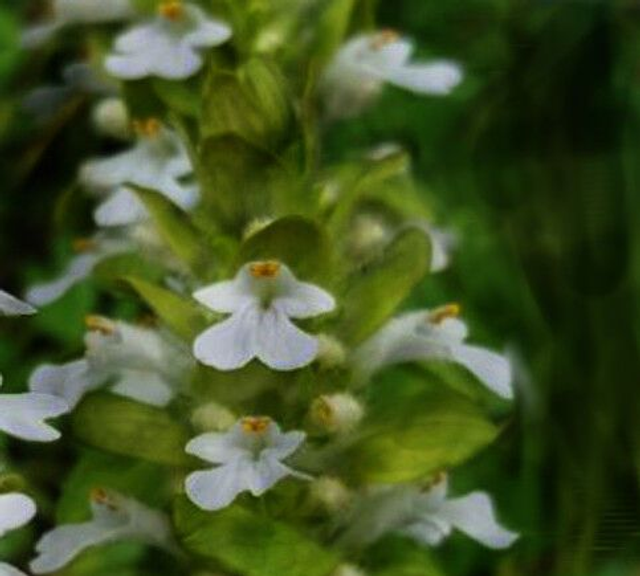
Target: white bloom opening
262,299
427,517
115,518
16,510
24,415
140,363
433,335
362,66
158,161
168,45
248,458
11,306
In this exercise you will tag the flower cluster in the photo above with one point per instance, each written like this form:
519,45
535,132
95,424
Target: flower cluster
273,298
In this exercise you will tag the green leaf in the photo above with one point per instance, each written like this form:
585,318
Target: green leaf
175,228
181,314
129,428
397,556
181,97
298,242
332,28
414,429
253,103
375,293
250,544
112,270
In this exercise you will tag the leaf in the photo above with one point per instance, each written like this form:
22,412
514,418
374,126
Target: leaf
253,103
332,28
179,97
182,315
298,242
250,544
375,294
129,428
112,270
414,429
175,228
397,556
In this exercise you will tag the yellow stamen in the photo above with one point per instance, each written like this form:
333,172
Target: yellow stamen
267,269
441,314
172,10
100,324
148,128
81,245
255,424
101,496
384,38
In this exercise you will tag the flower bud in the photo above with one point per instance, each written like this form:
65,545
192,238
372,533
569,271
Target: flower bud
330,493
331,352
368,235
336,413
213,417
111,118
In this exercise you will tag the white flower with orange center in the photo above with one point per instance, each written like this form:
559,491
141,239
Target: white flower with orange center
158,161
71,12
262,299
429,517
365,63
433,335
248,458
115,518
168,45
137,362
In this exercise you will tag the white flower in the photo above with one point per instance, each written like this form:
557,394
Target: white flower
115,518
158,161
248,458
11,306
70,12
89,253
16,510
427,517
138,363
168,45
24,415
362,66
7,570
336,413
433,335
111,118
261,300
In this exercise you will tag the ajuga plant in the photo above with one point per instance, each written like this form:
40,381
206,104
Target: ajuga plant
277,399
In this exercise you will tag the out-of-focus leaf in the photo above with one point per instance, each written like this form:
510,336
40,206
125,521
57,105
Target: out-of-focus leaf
142,100
182,315
250,544
395,556
332,28
178,96
9,44
376,292
298,242
252,103
129,428
112,270
175,228
142,480
121,558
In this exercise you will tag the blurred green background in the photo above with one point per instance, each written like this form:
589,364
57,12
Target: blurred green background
534,164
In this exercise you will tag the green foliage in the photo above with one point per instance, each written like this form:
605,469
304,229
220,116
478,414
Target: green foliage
128,428
395,556
249,543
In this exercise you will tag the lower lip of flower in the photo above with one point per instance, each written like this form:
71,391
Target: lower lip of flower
262,270
255,424
172,10
445,312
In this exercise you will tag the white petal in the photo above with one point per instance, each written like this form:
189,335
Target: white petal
209,33
224,297
7,570
215,447
265,473
281,446
62,544
127,67
280,344
493,369
36,36
304,300
11,306
69,381
24,415
78,269
438,78
103,174
390,56
137,38
120,209
229,344
216,489
182,63
16,510
144,386
474,515
428,531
